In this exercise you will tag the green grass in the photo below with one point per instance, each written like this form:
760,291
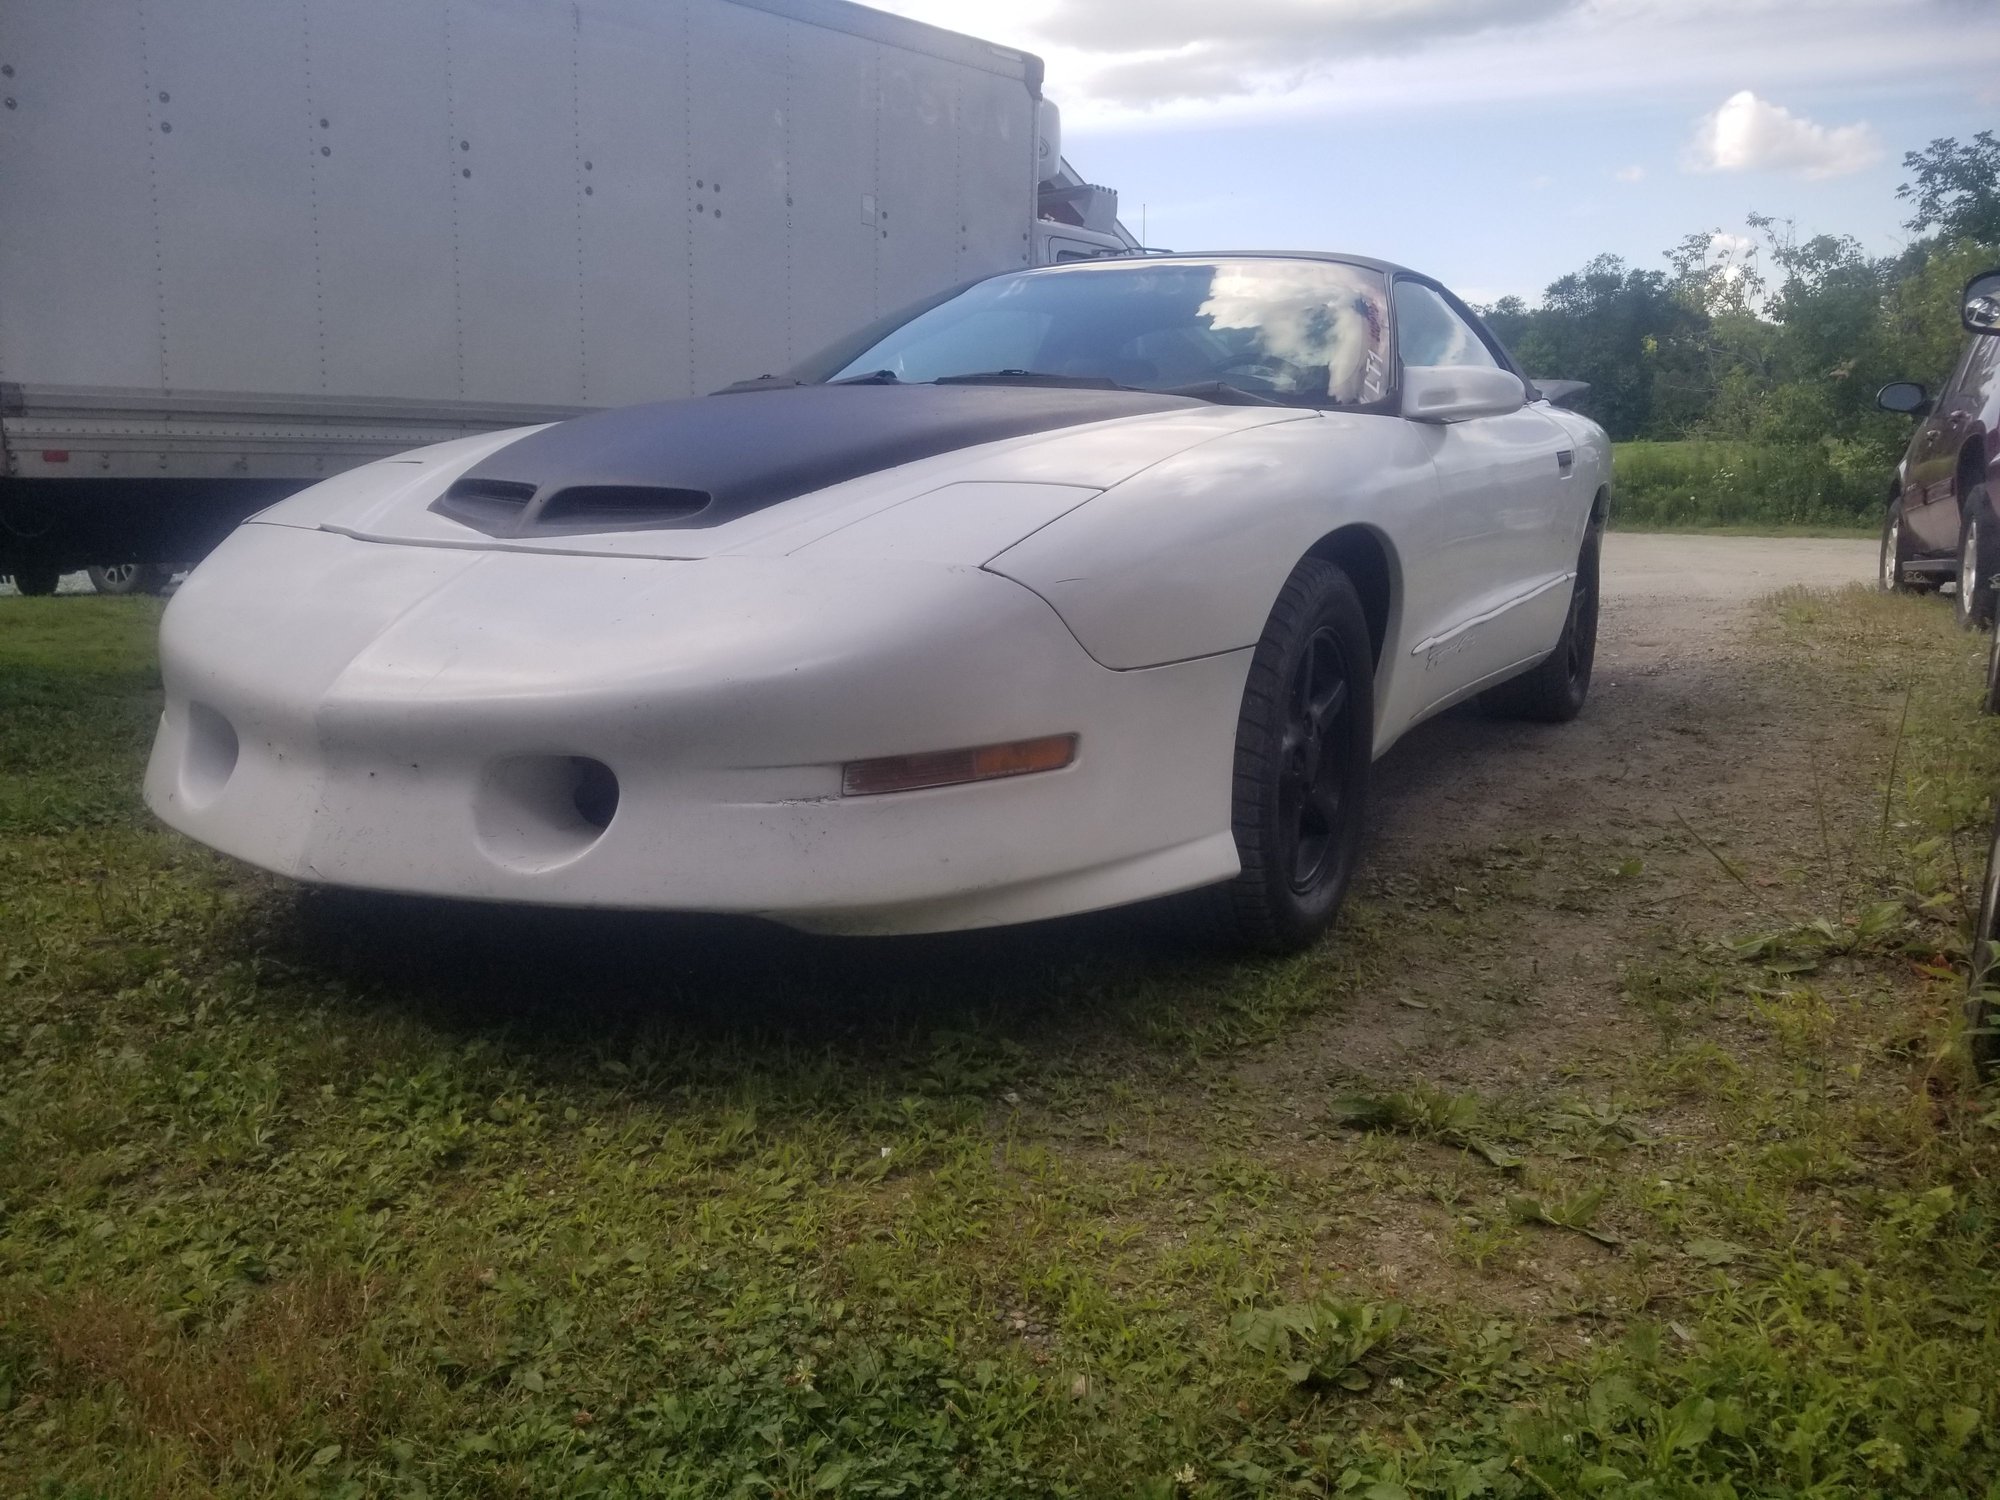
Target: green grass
339,1197
1763,489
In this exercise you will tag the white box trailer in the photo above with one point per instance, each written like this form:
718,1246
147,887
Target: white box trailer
245,245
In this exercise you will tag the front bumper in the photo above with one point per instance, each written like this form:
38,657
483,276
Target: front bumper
400,718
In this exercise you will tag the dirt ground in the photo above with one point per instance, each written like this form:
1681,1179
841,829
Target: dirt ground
1693,724
1674,633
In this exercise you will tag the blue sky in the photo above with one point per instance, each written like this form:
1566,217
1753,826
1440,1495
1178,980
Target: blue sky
1500,143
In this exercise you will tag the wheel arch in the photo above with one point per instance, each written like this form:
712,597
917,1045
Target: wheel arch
1365,555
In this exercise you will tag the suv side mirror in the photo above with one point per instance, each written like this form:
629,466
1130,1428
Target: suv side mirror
1980,311
1904,396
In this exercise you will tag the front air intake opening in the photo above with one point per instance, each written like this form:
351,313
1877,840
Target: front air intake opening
595,794
617,507
493,506
512,508
538,812
210,757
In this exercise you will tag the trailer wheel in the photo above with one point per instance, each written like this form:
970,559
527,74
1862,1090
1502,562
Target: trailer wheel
130,578
37,580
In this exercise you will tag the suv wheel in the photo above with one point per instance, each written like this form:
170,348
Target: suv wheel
1976,537
1890,575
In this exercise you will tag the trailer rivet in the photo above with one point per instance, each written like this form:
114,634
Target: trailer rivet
10,103
588,191
466,173
465,145
165,97
698,207
166,127
324,124
6,70
718,213
326,151
586,166
698,182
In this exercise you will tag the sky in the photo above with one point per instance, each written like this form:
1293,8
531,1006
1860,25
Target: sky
1497,144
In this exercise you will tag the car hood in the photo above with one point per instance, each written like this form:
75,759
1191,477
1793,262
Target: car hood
774,471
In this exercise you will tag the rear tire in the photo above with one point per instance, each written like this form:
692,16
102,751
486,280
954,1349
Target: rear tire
1992,701
1555,691
1305,745
130,578
1976,536
1892,571
37,581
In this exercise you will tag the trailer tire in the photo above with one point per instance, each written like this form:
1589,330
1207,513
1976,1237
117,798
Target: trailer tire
37,581
130,578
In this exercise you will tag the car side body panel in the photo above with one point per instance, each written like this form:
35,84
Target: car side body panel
1185,559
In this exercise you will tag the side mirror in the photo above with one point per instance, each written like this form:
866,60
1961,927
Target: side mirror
1904,396
1980,311
1453,393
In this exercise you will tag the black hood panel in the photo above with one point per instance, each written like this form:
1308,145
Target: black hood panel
681,465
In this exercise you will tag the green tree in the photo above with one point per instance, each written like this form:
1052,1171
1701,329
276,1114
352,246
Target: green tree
1957,189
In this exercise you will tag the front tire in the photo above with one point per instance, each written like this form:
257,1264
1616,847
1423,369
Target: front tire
37,581
1305,743
1555,691
1982,1005
1991,702
1973,606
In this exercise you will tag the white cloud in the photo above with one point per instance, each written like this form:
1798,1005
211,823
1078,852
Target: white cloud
1633,173
1749,134
1170,50
1146,64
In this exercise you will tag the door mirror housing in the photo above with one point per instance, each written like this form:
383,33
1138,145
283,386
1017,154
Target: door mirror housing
1455,393
1904,396
1980,309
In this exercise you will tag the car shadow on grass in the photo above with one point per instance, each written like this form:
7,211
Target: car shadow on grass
545,979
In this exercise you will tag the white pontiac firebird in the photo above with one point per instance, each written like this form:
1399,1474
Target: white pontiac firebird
1068,588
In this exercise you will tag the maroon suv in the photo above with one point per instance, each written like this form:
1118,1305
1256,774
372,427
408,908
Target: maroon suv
1941,525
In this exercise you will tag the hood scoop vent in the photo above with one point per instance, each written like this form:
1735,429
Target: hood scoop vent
509,508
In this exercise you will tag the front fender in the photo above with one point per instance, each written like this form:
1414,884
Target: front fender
1186,559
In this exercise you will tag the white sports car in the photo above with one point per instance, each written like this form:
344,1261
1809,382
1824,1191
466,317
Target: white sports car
1068,588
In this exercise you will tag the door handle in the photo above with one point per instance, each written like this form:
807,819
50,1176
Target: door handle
1565,459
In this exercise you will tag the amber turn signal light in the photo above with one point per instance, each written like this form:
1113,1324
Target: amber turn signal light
909,773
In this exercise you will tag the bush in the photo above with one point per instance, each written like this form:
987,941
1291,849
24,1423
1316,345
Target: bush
1834,483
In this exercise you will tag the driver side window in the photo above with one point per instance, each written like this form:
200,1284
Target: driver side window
1428,332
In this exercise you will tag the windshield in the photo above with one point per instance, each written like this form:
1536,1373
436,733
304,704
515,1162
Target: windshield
1311,333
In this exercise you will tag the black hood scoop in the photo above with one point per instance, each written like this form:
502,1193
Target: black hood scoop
679,465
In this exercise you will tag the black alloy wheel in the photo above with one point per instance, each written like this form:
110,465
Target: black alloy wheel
1311,783
1555,690
1304,754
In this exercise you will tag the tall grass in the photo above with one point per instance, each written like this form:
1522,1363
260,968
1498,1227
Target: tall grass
1717,483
